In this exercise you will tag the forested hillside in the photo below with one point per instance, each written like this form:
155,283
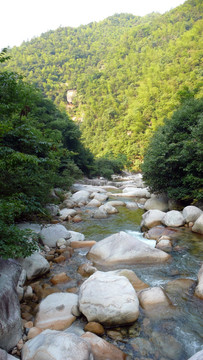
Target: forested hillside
129,73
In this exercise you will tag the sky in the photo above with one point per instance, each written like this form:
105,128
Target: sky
21,20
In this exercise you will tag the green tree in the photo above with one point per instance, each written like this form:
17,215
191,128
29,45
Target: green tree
173,162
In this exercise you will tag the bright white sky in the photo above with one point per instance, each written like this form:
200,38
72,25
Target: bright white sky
24,19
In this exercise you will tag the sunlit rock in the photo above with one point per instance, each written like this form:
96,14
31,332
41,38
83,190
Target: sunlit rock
108,299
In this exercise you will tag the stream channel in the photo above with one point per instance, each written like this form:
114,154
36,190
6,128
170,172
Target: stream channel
174,335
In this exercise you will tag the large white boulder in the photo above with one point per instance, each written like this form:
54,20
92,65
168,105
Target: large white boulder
157,202
65,213
109,209
55,311
100,197
76,236
94,203
122,248
136,192
57,345
198,225
81,197
34,265
153,297
199,288
51,233
108,299
173,218
151,218
191,213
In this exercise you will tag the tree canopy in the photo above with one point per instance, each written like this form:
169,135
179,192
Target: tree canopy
127,72
173,163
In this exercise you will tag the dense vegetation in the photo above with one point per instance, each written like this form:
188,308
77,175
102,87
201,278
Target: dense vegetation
127,72
173,162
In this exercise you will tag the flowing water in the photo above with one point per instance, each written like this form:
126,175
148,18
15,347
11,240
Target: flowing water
170,335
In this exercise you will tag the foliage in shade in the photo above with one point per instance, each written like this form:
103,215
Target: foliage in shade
173,162
127,70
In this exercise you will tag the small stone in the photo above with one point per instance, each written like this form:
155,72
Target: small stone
95,328
86,270
77,219
34,331
75,311
28,294
59,259
28,324
82,244
60,278
60,242
20,344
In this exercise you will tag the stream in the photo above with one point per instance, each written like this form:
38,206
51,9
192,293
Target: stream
174,335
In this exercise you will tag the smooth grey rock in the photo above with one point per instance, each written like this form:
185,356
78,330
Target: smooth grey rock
99,214
51,233
151,218
56,345
65,213
36,228
52,209
55,311
191,213
108,298
157,202
173,218
81,197
76,236
34,265
5,356
94,203
109,209
198,225
10,318
122,248
136,192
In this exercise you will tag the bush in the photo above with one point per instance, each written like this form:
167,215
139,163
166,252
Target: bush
109,165
173,161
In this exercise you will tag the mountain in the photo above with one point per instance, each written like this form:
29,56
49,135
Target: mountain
123,75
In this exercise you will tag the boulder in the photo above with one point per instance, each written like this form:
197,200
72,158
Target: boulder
159,231
75,236
115,203
136,192
191,213
151,218
34,265
198,225
5,356
179,286
109,209
103,350
94,203
131,205
153,297
81,197
99,214
108,299
52,209
100,197
164,245
132,277
173,218
199,288
66,213
51,233
168,346
122,248
36,228
10,317
157,202
197,356
56,345
55,311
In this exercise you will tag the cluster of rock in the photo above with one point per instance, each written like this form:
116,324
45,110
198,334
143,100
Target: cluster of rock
107,298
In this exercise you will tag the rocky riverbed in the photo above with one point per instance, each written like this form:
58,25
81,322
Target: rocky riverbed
118,275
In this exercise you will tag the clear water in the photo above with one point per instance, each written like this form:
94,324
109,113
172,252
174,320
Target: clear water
175,335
